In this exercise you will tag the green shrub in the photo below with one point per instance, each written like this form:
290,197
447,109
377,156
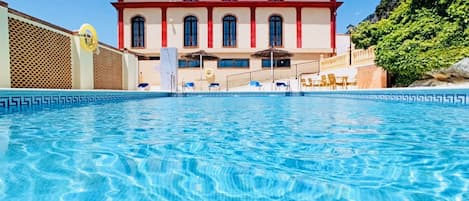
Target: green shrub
418,37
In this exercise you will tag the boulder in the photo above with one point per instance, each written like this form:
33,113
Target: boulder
429,83
460,69
456,74
440,76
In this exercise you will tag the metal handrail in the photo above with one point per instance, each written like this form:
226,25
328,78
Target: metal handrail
235,74
294,69
238,74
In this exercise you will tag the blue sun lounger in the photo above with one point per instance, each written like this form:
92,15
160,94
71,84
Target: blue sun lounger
214,85
143,86
255,84
282,84
189,85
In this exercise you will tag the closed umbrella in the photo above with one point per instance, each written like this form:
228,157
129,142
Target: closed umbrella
272,53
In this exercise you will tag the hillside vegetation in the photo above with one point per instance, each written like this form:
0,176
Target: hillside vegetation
383,10
416,36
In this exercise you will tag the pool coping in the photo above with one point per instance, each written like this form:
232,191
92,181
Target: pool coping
22,98
447,96
25,98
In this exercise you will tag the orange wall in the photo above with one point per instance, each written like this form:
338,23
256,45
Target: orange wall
371,77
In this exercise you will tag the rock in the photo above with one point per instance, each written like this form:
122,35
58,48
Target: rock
428,83
427,76
420,83
456,74
460,69
457,80
441,76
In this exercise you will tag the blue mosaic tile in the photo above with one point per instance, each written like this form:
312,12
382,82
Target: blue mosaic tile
18,99
4,101
448,97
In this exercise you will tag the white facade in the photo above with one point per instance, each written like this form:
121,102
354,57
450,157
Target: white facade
343,43
306,30
152,18
315,28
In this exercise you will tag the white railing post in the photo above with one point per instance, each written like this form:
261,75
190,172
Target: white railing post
5,50
321,59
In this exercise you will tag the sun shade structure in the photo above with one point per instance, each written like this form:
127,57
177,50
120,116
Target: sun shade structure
272,53
201,55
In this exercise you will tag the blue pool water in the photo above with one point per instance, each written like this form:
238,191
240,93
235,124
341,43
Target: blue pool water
230,149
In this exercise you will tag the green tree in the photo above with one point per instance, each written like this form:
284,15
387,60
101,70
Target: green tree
419,36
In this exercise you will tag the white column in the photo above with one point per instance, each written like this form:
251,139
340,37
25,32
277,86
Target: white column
82,66
129,71
168,68
4,47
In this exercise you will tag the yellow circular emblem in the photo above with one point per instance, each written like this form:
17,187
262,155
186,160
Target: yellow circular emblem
209,73
88,37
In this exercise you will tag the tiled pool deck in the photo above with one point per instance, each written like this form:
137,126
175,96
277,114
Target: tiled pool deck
20,98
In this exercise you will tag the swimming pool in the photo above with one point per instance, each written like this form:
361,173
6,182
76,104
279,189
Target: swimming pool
236,148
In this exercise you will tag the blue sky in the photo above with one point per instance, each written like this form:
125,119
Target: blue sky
71,14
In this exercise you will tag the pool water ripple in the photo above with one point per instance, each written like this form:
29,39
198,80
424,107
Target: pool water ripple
256,148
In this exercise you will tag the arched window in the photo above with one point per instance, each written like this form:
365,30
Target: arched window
190,31
138,32
275,31
229,31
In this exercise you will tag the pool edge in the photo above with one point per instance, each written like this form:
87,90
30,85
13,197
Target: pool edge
19,98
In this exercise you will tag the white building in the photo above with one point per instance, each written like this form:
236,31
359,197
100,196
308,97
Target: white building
230,29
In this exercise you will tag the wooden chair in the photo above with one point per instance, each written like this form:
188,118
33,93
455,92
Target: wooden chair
332,81
305,83
324,82
352,82
310,82
316,83
342,81
337,80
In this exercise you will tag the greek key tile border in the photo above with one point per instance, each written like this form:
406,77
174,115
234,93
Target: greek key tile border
23,100
446,97
436,96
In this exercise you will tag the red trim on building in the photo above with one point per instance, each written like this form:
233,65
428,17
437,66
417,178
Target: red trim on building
333,26
332,4
120,27
210,26
164,28
253,27
298,27
257,3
